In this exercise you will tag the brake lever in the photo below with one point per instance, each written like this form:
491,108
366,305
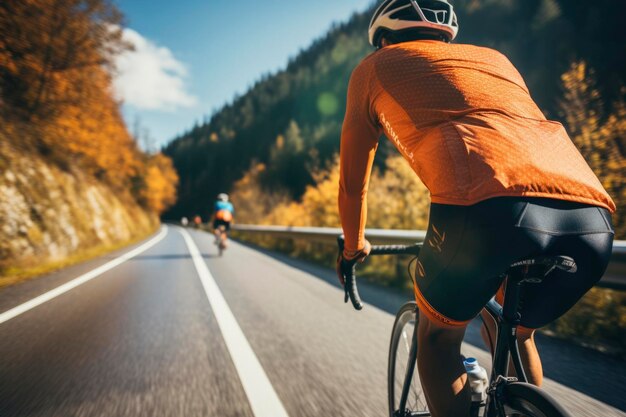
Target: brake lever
351,289
351,292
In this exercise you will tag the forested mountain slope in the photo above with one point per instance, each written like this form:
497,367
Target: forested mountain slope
290,121
304,104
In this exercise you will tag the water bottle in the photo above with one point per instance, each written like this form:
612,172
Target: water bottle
478,381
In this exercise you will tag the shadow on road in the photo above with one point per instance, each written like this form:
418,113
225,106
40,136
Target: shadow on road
585,370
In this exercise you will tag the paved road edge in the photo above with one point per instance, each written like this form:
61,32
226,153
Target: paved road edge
37,301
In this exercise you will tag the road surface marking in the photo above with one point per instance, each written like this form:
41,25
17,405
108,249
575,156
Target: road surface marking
263,399
29,305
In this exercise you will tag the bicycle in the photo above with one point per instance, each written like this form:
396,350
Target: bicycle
506,396
220,239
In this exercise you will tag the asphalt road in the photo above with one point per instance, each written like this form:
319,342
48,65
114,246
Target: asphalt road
154,337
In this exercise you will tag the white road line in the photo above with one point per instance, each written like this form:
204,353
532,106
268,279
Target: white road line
29,305
263,399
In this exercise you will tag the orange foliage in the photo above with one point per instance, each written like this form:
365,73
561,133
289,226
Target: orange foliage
160,182
95,134
57,99
47,50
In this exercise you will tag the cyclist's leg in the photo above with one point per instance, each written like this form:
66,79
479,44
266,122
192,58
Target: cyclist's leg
527,348
580,231
225,232
563,228
441,368
464,248
216,230
531,361
545,302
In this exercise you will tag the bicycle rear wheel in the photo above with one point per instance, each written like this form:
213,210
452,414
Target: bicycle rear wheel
400,362
526,400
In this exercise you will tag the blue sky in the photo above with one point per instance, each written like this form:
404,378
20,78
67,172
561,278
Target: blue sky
193,56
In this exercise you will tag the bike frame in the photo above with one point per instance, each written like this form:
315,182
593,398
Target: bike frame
410,369
506,318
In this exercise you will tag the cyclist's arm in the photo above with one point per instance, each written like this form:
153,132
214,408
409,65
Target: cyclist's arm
359,140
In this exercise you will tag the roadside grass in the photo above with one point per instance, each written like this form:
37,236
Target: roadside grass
30,269
597,321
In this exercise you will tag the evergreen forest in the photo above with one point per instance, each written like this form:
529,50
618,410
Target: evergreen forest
283,134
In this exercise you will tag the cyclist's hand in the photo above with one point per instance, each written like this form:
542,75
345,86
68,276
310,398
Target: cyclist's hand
346,260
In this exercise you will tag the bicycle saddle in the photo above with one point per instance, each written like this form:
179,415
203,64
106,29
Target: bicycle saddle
536,268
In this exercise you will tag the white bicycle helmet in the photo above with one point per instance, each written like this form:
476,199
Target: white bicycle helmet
435,16
222,197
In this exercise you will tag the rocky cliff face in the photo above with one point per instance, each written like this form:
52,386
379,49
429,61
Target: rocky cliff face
48,214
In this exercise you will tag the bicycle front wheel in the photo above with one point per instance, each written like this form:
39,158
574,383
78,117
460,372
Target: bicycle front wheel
521,399
402,369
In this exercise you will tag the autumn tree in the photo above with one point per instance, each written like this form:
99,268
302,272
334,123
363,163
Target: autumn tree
56,62
600,135
252,202
47,48
318,206
397,198
159,181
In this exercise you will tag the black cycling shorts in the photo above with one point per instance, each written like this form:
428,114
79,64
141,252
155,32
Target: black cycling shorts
217,223
467,248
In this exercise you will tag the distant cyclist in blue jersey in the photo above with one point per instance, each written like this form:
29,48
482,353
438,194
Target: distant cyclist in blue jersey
223,214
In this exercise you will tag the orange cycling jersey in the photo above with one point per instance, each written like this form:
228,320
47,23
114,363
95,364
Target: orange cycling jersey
224,215
463,118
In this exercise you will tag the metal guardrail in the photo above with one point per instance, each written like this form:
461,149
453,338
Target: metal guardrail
329,234
614,277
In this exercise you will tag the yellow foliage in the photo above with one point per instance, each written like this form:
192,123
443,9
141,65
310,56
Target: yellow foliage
287,214
597,134
160,183
397,199
57,99
254,204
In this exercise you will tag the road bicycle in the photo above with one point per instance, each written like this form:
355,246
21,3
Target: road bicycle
506,396
220,239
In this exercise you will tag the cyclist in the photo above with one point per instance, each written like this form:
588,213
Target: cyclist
197,221
223,213
505,184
